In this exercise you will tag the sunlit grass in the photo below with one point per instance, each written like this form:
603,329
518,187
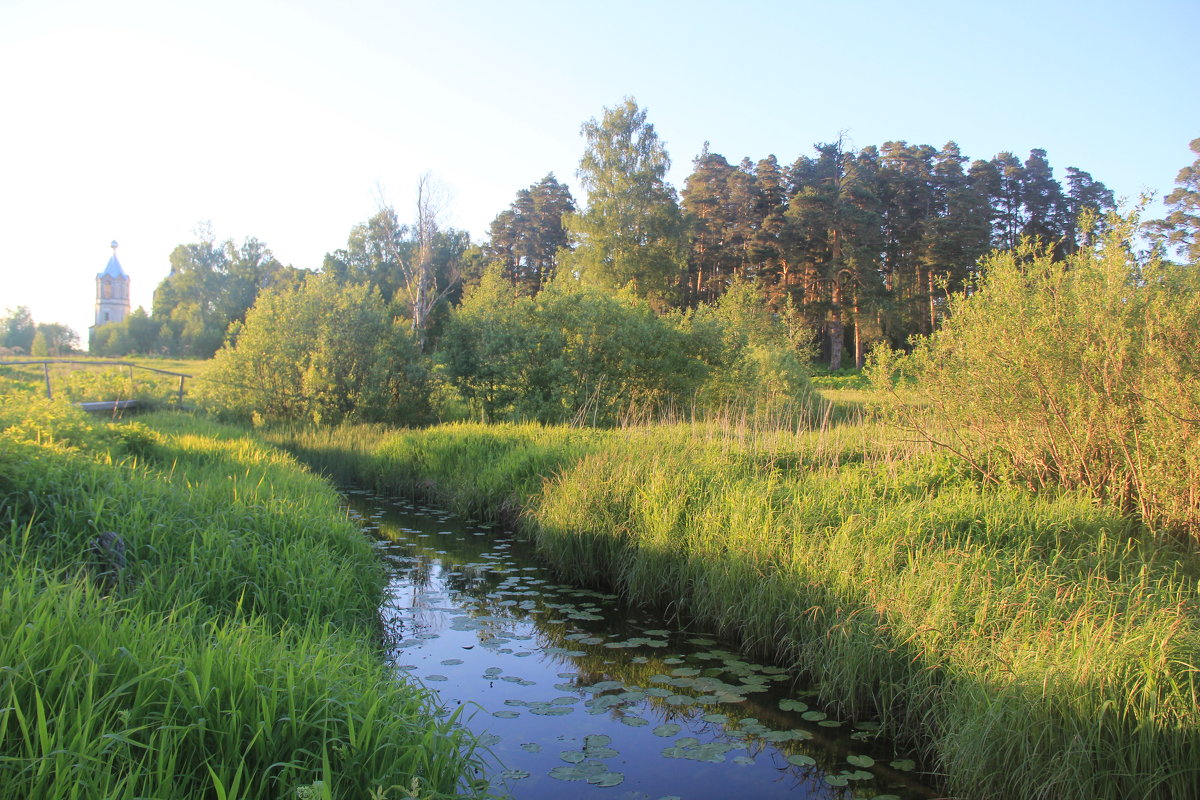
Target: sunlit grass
1035,645
239,653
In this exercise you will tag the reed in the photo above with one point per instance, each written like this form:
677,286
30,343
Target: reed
1035,645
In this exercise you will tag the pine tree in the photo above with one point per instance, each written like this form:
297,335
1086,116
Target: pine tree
1181,227
527,236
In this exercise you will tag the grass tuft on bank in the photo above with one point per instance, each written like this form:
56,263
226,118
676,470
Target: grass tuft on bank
234,654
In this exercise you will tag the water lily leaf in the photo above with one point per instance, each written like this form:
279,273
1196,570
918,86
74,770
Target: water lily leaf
788,704
830,723
572,756
596,740
813,716
531,747
489,739
836,780
858,775
635,722
861,761
514,774
903,764
743,761
436,678
452,662
801,760
606,779
667,729
506,714
565,773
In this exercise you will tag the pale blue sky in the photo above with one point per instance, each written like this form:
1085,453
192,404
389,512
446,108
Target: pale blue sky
135,120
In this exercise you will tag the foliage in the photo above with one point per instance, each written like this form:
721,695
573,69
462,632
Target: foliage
319,351
1181,228
757,368
233,656
527,236
1079,373
570,353
211,285
17,329
631,234
137,333
1036,644
54,339
414,267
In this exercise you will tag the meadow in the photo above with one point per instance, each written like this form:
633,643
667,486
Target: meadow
231,650
1039,645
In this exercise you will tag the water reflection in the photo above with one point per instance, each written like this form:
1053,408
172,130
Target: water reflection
579,696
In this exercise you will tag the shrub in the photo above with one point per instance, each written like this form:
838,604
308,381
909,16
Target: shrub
1080,373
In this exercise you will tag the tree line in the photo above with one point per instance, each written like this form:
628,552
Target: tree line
844,248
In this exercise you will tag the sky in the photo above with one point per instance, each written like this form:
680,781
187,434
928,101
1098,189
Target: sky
141,120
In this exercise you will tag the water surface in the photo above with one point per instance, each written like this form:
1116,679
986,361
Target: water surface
580,696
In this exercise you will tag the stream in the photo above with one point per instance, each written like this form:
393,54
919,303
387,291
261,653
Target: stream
578,695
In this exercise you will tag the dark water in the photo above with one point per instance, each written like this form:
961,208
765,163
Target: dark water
580,696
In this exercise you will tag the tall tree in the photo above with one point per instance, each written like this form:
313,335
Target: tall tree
1085,195
210,286
1181,227
1044,206
1008,176
414,267
17,329
835,232
527,236
632,232
710,220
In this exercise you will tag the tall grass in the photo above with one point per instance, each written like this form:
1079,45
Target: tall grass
1036,645
237,656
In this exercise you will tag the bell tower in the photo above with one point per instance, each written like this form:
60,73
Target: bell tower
112,292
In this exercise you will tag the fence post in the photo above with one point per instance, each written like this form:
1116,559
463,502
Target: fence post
181,377
46,372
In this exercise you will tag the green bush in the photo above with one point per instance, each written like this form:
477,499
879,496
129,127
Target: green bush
1080,373
321,351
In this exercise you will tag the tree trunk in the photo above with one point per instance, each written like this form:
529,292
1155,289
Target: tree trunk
837,334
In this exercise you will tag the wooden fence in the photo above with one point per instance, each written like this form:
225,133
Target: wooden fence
46,362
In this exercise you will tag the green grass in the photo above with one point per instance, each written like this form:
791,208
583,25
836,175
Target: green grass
96,379
239,655
1034,645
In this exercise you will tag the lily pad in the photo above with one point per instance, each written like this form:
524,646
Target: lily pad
635,722
531,747
861,761
667,729
606,779
903,764
788,704
801,760
506,714
514,774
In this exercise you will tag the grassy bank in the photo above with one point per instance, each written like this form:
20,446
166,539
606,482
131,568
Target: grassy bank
1035,646
234,655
